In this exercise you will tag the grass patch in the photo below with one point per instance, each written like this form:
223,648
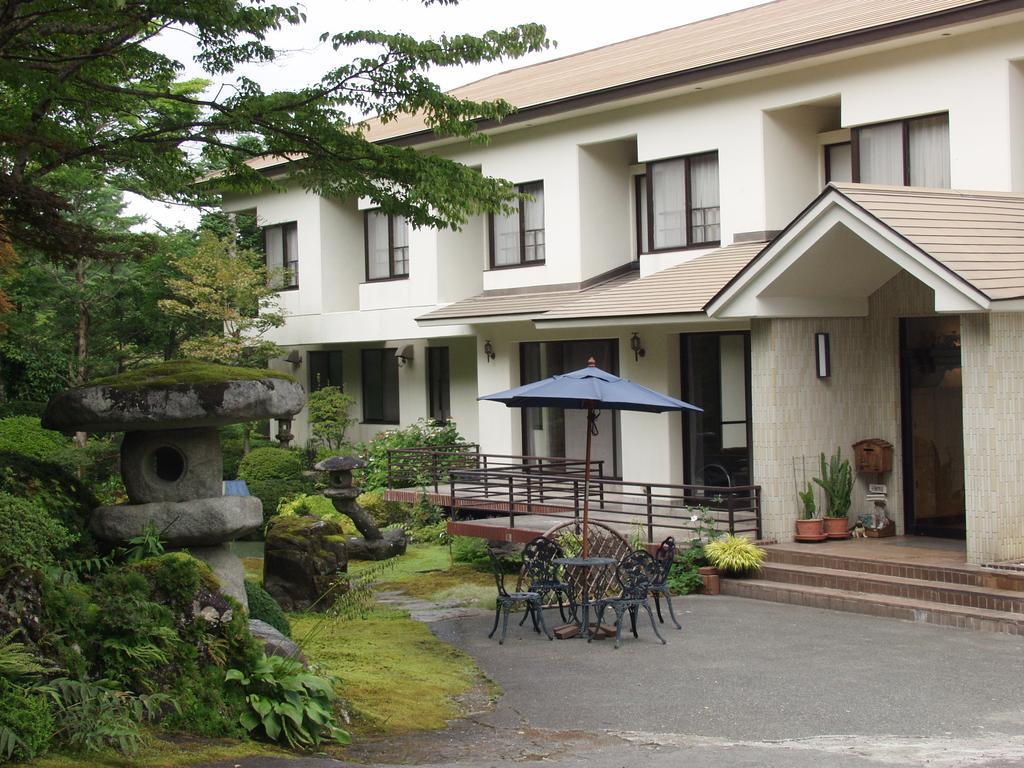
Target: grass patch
395,675
426,571
253,568
169,374
163,752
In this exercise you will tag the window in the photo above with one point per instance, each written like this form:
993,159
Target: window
912,152
678,203
439,383
325,370
387,246
838,162
380,386
518,239
281,242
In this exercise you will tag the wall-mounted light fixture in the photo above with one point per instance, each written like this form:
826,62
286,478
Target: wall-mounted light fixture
822,356
489,350
404,354
637,346
294,357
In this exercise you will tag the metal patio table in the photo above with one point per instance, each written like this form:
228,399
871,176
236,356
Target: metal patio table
586,563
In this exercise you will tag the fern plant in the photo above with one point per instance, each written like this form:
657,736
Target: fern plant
735,555
836,481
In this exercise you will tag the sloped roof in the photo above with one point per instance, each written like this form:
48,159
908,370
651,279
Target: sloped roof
681,289
743,39
516,305
978,236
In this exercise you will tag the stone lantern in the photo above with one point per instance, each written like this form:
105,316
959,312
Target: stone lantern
171,455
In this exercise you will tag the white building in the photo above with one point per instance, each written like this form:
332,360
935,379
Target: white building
684,232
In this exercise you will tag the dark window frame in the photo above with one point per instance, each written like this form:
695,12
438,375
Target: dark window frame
439,356
383,356
290,265
904,124
328,355
648,177
392,274
521,189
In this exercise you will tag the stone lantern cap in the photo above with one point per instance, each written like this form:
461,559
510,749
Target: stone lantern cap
340,464
181,394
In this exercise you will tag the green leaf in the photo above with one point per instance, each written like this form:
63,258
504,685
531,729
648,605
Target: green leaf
249,721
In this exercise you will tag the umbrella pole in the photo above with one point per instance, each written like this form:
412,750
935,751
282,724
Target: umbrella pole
586,485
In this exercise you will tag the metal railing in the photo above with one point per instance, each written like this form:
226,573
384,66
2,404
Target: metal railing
653,507
431,467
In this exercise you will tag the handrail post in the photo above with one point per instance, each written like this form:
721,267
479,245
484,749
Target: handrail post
576,499
731,507
435,470
757,510
454,503
650,515
391,477
511,510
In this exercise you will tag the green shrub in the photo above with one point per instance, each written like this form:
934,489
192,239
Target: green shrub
422,434
264,607
207,707
329,417
51,487
22,408
735,555
433,533
318,506
232,445
684,577
175,578
385,513
25,435
273,474
31,538
26,722
471,550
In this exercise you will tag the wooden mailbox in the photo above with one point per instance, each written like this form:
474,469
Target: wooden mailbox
872,455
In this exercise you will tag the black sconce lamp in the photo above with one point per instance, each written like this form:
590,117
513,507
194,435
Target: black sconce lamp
489,350
822,356
637,346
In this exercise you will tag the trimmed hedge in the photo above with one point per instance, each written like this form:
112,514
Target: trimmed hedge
49,486
273,474
31,537
25,435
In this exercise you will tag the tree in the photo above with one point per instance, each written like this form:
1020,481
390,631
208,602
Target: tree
82,90
227,289
329,417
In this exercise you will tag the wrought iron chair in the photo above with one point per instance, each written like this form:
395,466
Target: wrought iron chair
664,557
505,600
635,573
542,575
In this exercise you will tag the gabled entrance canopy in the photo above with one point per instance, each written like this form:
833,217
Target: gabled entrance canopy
967,247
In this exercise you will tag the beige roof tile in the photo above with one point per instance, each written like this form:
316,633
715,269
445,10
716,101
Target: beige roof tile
783,25
977,235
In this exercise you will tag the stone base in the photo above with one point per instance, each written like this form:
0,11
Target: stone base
198,522
392,544
275,644
227,567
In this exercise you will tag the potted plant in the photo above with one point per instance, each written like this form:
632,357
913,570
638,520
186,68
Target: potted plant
809,527
836,481
734,555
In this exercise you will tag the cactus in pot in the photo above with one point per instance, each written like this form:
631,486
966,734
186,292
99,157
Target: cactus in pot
836,480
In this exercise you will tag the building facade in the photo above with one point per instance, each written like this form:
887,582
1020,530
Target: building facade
804,216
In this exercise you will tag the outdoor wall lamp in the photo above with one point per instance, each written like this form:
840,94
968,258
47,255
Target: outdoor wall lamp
637,346
822,356
295,358
489,350
404,354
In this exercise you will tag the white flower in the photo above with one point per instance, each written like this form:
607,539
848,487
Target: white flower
694,518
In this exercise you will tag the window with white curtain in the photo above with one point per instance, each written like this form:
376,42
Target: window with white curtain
281,246
911,152
678,203
387,246
517,239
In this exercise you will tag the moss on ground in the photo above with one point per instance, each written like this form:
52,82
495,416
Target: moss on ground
426,572
169,374
394,674
253,567
164,753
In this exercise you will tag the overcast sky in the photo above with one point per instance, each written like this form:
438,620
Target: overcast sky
574,25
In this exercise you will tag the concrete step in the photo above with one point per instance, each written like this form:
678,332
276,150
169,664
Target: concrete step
908,609
964,595
818,556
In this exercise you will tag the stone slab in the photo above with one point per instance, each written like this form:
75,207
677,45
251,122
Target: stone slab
197,522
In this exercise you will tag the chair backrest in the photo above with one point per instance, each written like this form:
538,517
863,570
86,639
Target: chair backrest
499,573
635,574
538,559
663,557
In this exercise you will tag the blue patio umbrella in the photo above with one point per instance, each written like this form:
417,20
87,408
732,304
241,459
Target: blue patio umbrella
592,389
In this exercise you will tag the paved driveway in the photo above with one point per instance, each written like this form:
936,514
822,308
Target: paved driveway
745,683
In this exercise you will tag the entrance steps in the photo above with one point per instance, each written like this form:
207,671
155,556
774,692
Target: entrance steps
959,596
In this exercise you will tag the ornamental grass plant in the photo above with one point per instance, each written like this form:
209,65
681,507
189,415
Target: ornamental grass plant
735,555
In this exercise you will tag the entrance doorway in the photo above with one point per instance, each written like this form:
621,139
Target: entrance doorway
933,435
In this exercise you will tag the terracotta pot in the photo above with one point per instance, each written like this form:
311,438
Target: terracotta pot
837,527
707,570
712,584
813,529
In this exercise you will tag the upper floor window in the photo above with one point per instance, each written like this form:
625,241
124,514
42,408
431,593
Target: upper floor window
387,246
838,162
518,239
281,243
678,203
912,152
325,369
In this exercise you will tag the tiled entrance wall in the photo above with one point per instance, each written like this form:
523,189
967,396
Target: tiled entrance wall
796,414
992,349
